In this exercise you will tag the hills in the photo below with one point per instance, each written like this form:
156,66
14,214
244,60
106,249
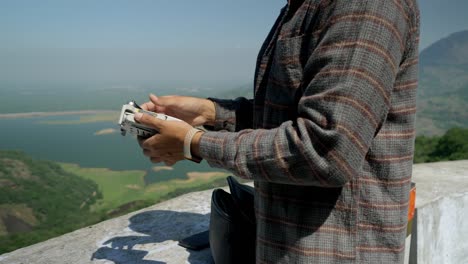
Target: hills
443,85
39,200
43,199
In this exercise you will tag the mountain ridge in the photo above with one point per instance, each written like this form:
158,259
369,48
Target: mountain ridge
442,96
443,85
446,50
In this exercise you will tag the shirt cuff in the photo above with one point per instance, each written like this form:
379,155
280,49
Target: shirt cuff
211,148
225,114
219,150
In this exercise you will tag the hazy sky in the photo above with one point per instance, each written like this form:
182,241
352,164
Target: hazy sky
143,40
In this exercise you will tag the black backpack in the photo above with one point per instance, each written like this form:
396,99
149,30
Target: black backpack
232,224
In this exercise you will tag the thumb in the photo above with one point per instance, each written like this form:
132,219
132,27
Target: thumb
149,120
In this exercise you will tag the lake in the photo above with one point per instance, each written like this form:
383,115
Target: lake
77,143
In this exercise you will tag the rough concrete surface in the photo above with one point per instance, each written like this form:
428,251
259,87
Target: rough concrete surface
439,179
442,208
150,236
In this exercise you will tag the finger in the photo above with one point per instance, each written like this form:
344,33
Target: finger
148,153
141,141
169,162
159,103
155,159
174,158
163,101
169,155
152,147
150,142
155,100
149,120
146,143
148,106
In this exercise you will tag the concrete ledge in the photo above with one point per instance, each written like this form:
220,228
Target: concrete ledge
150,235
442,212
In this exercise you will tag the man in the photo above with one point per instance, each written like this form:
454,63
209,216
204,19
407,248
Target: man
327,139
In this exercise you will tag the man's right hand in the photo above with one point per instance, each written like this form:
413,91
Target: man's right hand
195,111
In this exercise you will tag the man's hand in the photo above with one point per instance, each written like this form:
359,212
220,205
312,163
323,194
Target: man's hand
168,145
195,111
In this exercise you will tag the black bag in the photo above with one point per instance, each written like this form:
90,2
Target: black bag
232,224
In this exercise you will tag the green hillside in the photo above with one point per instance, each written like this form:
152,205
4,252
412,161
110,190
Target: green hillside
39,200
42,199
453,145
443,85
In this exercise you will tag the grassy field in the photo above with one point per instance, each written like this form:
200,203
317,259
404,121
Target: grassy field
123,187
117,187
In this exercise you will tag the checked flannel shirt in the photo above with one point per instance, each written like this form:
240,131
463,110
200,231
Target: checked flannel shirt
328,138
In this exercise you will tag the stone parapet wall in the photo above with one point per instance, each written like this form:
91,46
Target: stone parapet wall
150,236
442,213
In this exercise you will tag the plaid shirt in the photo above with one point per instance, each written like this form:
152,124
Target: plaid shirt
328,138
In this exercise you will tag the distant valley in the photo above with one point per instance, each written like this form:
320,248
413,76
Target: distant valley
97,174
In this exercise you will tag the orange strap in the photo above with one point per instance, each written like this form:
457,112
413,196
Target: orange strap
412,202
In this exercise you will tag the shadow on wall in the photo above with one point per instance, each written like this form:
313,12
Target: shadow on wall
157,226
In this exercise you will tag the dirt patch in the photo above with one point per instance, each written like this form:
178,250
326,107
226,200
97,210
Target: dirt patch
83,204
133,187
106,131
43,114
16,218
162,168
15,225
7,184
204,175
17,169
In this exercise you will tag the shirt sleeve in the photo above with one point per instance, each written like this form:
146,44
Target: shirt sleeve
232,115
351,74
